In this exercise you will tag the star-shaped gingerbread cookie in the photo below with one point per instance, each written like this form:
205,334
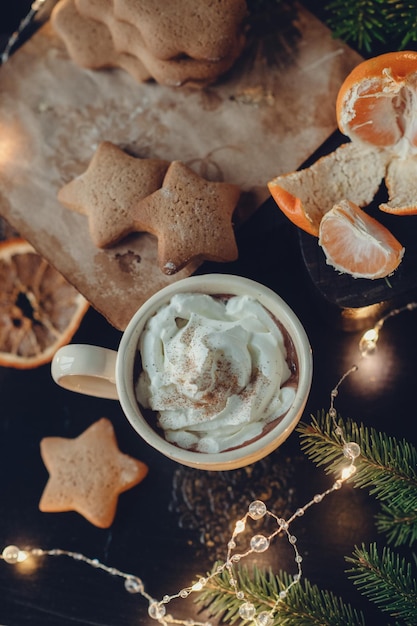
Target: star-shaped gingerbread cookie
110,189
191,218
87,474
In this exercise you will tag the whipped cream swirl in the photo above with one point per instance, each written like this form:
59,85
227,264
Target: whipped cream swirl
214,370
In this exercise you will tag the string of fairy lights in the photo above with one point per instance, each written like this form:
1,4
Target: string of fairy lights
258,543
369,339
257,510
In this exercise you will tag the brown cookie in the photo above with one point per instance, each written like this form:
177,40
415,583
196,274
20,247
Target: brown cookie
191,218
87,474
193,28
176,71
89,42
128,35
100,10
109,191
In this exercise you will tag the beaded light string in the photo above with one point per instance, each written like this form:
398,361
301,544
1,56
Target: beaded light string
351,449
258,543
368,341
15,36
157,609
256,511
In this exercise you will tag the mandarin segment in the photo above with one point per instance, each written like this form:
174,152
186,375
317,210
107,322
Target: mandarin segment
39,310
357,244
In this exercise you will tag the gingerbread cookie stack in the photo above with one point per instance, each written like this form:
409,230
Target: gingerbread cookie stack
179,42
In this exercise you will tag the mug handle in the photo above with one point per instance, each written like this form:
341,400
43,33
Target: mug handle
86,369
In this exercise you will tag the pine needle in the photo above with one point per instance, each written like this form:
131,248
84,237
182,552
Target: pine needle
304,605
400,527
367,23
386,467
387,580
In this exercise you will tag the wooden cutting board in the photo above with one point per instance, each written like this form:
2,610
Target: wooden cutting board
259,121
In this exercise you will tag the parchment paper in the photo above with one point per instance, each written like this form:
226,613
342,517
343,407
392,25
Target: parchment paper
257,122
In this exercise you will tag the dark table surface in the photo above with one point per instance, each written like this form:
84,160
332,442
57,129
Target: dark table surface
176,523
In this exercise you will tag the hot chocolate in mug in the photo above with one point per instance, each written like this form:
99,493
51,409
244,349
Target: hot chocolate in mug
228,344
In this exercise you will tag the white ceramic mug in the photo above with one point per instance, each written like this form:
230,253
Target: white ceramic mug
105,373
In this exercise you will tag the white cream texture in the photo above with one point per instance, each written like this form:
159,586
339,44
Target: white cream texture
214,371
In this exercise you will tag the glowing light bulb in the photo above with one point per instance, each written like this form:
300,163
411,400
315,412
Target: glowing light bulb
240,526
368,341
23,555
348,471
13,554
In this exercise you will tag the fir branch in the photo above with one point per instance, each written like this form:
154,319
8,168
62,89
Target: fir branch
367,23
403,20
360,22
386,466
387,580
304,605
320,443
400,527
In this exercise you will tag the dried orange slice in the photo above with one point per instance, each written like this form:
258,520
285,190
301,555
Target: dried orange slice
357,244
376,103
39,310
